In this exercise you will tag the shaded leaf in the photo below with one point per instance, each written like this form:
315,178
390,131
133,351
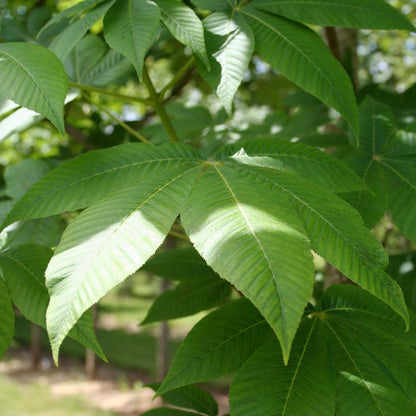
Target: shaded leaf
301,55
130,28
7,318
190,397
185,26
23,269
360,14
218,345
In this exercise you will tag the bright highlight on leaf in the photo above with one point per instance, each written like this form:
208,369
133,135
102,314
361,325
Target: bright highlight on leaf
34,78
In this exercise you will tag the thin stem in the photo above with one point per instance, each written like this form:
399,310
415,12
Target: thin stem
176,78
119,122
159,107
112,94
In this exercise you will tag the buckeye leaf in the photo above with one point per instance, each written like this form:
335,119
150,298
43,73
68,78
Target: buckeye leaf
230,44
298,159
336,232
7,318
360,14
23,270
185,26
164,411
108,242
189,297
70,36
34,78
265,386
130,28
218,345
190,397
302,56
88,178
254,240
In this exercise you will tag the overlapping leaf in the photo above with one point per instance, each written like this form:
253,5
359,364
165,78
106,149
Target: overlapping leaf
338,343
71,35
301,55
361,14
190,397
130,27
298,159
92,63
260,247
336,232
23,269
388,164
218,345
34,78
7,318
85,180
108,242
185,26
230,44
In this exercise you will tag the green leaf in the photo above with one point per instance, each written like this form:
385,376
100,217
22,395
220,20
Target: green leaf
182,264
23,269
185,26
22,175
253,240
214,4
92,63
130,28
399,167
190,397
7,318
73,12
265,386
301,55
298,159
230,44
354,309
33,77
189,297
360,14
337,233
108,242
69,37
90,177
218,345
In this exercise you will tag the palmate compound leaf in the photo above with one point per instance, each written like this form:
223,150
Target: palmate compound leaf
190,397
302,56
336,232
23,270
130,28
185,26
360,14
265,386
341,363
71,35
387,162
253,239
108,242
34,78
218,345
86,179
7,317
298,159
230,44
